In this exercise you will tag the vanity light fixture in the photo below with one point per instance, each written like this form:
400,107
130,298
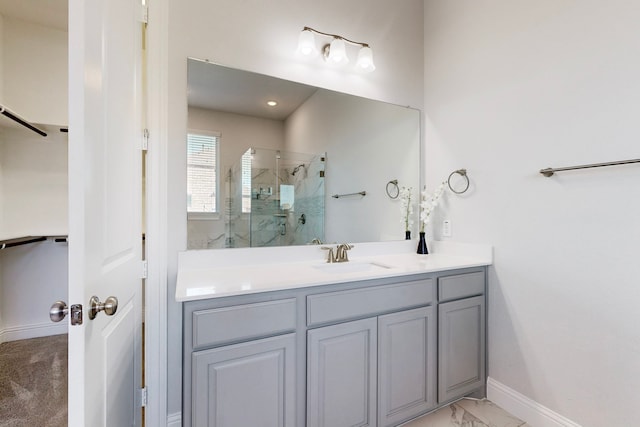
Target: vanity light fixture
335,52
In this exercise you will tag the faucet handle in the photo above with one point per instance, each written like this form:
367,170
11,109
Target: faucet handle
330,256
341,252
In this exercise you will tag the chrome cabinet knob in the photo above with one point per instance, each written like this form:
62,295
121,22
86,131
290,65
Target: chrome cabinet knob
109,306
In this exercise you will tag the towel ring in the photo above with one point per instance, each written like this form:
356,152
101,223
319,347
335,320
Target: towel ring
395,190
462,173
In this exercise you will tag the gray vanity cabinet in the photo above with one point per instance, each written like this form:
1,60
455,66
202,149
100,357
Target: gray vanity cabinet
248,384
406,365
342,375
240,361
385,362
370,353
461,335
378,371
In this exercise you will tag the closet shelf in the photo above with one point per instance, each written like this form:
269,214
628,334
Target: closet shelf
14,118
18,241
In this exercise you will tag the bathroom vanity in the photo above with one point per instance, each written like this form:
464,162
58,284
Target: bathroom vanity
376,341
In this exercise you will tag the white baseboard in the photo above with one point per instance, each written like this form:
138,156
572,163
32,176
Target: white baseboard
174,420
524,408
15,333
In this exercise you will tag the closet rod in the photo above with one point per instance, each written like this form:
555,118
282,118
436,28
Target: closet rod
13,116
550,171
27,240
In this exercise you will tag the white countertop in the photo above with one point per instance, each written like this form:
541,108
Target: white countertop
216,273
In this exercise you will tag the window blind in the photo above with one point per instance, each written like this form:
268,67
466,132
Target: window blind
246,181
202,176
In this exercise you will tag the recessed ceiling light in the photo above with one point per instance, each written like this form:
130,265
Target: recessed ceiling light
272,103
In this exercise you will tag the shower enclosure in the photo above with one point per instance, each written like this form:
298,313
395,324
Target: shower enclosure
276,198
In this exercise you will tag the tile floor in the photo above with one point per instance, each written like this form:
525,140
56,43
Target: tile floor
468,413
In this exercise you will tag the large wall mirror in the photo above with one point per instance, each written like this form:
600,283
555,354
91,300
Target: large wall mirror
267,158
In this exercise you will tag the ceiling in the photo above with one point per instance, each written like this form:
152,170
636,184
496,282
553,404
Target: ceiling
214,87
50,13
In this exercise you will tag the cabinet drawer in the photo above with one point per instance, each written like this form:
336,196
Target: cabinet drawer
243,322
352,304
460,286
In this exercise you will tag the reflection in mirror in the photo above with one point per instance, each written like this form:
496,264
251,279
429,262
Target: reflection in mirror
314,143
276,198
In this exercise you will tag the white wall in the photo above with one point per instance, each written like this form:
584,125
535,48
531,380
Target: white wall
2,202
513,87
237,134
33,184
262,36
35,71
32,277
33,178
33,169
1,97
1,57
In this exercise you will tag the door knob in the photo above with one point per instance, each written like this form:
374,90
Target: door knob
109,306
59,311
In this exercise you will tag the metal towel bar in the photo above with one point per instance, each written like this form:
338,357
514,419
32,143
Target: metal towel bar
550,171
361,193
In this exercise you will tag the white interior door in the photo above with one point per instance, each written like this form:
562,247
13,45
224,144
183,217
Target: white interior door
105,210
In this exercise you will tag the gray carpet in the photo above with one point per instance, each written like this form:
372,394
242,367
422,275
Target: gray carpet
33,382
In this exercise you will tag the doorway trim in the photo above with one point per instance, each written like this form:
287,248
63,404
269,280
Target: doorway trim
156,228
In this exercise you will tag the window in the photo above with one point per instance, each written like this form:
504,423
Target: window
202,174
246,181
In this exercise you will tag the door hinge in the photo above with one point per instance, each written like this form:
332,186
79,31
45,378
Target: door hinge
143,397
143,14
145,269
145,140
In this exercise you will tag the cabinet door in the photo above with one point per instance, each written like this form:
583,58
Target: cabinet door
341,375
461,347
248,384
406,365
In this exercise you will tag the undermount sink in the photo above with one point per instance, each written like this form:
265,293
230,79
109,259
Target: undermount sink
351,267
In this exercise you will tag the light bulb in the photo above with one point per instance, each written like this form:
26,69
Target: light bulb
337,52
307,43
365,60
